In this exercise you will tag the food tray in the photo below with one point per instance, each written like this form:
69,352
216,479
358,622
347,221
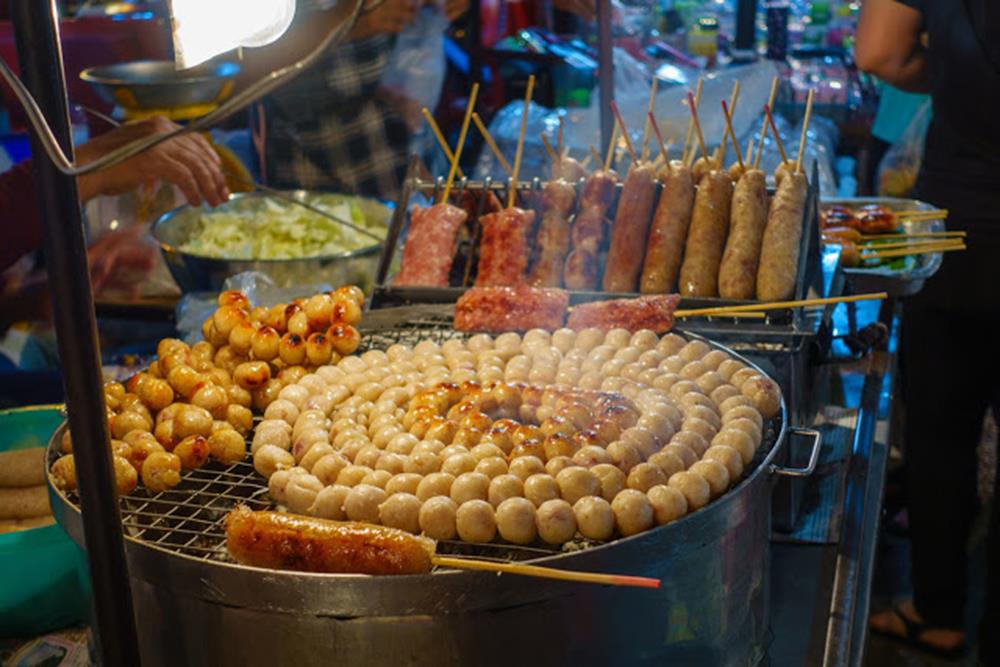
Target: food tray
810,277
884,279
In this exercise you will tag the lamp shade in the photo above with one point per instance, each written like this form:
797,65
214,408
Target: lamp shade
203,29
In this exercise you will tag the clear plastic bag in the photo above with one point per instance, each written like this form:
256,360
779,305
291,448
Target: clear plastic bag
416,67
897,172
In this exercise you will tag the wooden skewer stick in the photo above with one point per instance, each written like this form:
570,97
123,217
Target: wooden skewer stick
559,136
721,151
750,315
805,130
879,247
918,213
777,137
690,130
461,142
650,109
442,142
594,153
753,307
587,160
732,135
526,570
553,155
628,140
915,235
488,138
610,157
697,126
911,250
520,142
763,122
659,137
749,153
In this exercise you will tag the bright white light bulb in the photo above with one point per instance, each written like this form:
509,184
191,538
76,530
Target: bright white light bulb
204,29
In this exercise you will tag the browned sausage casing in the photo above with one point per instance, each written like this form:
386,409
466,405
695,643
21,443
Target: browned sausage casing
631,226
707,237
669,230
580,272
289,542
702,166
779,253
553,237
738,271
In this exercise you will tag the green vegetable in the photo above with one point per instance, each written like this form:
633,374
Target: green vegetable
281,230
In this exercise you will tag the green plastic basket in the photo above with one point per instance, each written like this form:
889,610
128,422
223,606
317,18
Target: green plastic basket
44,579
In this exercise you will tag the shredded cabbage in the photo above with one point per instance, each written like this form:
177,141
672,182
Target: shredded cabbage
282,230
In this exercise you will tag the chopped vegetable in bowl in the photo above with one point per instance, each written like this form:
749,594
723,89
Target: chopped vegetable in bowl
282,230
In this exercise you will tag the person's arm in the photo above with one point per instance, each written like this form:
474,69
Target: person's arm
888,45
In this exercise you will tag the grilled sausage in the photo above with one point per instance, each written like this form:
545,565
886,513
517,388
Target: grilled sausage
430,246
702,166
669,230
631,226
288,542
503,251
581,270
707,237
553,238
24,502
24,467
738,271
779,254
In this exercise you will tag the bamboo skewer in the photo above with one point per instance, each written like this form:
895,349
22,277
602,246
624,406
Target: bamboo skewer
553,154
690,130
749,153
628,140
526,570
763,122
732,135
442,142
559,137
594,153
520,141
488,138
909,244
659,137
461,142
777,137
697,126
919,213
752,307
914,235
587,159
610,157
734,97
919,250
805,130
650,110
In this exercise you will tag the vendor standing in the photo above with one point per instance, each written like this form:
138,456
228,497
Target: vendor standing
333,127
951,370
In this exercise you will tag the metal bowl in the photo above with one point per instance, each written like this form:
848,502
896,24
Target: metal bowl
196,273
158,84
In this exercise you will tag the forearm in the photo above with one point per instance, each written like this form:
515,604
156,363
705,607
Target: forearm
888,44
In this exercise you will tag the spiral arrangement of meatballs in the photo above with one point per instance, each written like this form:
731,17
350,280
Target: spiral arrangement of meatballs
542,437
196,402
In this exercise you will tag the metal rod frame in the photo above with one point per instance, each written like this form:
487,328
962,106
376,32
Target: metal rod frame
36,31
605,71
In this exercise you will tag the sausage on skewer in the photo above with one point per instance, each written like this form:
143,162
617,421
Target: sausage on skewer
738,270
503,251
630,229
707,237
581,270
500,309
669,230
430,246
779,255
654,312
553,240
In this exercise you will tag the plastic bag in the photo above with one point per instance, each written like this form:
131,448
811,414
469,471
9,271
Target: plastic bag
416,66
897,172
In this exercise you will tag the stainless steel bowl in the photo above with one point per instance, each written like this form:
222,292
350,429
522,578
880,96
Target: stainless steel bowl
196,273
158,84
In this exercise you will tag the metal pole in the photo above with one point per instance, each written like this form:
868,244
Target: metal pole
746,25
37,35
605,71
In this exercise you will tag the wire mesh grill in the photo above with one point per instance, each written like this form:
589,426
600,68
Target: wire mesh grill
189,519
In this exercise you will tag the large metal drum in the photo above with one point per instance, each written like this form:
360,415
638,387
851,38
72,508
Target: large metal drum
711,610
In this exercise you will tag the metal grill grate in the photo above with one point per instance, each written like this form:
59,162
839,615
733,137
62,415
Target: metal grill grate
189,519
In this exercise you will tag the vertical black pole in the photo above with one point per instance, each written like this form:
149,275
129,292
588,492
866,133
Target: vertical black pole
605,71
40,58
746,25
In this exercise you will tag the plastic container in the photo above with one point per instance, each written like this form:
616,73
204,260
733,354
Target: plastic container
44,579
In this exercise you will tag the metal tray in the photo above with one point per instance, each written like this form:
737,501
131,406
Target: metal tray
883,279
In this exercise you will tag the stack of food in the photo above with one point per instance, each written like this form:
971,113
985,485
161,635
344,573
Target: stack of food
874,235
24,500
194,402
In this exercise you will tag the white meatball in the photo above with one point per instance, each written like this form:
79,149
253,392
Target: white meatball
515,518
276,485
727,456
575,483
738,440
476,521
362,503
315,453
667,461
633,512
406,482
269,459
696,349
377,478
392,463
723,393
612,480
668,503
435,484
588,339
422,463
540,488
694,487
713,472
329,503
594,518
747,426
282,409
503,487
624,455
699,426
403,443
458,464
401,510
492,466
272,433
644,339
301,492
352,475
295,394
645,476
590,456
469,486
437,518
642,439
618,338
556,521
524,467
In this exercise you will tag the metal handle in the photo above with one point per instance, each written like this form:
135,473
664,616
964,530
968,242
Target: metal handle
813,456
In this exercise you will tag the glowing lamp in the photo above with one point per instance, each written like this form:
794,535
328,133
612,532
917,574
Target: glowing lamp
203,29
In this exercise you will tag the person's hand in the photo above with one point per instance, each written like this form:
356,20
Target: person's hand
585,9
119,259
455,8
187,161
389,17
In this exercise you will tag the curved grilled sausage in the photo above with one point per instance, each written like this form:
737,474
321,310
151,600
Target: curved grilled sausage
553,234
289,542
669,230
628,233
779,254
580,272
707,237
738,271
